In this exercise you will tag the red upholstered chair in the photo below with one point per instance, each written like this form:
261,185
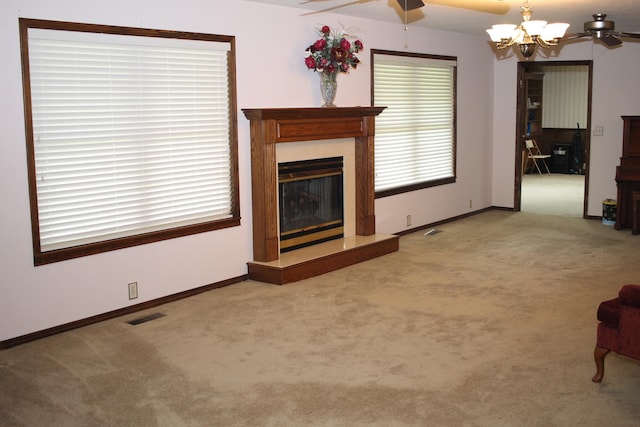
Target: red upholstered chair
619,327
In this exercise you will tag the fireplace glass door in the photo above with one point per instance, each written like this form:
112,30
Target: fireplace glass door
310,202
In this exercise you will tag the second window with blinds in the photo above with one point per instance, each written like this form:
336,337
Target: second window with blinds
416,134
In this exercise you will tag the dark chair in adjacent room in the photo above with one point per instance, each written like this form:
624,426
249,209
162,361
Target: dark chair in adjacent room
619,328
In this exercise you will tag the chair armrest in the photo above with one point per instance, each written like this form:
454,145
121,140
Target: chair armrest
630,295
609,313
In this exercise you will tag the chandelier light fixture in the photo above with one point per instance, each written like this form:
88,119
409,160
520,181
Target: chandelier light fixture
528,34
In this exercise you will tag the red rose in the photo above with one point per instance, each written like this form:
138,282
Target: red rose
358,45
325,29
344,44
330,68
320,44
344,67
310,62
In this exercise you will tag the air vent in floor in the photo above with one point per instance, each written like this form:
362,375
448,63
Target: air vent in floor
147,318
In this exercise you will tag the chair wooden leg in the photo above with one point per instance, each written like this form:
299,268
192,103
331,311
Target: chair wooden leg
599,354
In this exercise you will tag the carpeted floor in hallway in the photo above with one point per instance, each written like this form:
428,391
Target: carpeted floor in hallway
553,194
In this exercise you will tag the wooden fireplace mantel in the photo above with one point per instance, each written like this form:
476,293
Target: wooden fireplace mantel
307,124
271,126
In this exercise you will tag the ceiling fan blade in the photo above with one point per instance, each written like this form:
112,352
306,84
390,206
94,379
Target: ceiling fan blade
574,36
609,39
494,7
629,35
410,4
329,9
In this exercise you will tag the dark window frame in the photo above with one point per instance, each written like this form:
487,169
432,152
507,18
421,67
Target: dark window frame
434,182
232,220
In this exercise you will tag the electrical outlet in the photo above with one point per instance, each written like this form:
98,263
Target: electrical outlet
598,131
133,290
408,220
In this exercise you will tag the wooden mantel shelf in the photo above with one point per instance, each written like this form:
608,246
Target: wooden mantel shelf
270,126
307,124
307,113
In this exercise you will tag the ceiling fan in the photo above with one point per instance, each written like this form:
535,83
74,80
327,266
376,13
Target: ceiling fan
603,30
495,7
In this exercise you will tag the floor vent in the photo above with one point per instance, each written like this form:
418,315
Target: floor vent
147,318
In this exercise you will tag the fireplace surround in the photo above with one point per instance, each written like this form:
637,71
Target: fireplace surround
312,130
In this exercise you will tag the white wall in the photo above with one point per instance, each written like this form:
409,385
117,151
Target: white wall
270,42
270,73
616,92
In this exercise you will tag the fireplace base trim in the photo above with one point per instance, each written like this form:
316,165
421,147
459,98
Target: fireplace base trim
322,258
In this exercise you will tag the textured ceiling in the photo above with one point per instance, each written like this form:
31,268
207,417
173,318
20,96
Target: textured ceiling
474,16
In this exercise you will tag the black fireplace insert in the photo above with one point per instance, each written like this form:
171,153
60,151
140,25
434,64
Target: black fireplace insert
311,202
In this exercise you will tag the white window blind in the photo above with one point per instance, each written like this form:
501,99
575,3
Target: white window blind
131,134
415,135
565,94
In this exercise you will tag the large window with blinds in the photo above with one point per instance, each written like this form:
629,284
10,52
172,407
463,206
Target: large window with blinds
131,135
416,134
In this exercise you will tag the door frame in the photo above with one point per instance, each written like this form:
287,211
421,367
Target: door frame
521,115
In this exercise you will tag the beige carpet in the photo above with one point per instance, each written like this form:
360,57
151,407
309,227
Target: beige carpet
553,194
490,321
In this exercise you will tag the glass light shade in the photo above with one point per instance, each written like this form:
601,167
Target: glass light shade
554,31
519,36
534,28
493,35
501,32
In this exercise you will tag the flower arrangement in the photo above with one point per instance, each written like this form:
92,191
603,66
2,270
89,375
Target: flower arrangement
333,52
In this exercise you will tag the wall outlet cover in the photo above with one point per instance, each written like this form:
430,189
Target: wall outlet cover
133,290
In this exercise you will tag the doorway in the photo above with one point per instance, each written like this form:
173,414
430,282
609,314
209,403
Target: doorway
554,133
